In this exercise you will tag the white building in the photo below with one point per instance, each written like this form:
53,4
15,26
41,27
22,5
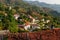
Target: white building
16,16
27,27
47,21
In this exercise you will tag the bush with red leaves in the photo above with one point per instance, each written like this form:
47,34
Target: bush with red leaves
42,35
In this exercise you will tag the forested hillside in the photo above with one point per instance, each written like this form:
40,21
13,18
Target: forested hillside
18,12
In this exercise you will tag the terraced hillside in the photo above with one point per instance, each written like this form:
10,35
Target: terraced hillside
26,14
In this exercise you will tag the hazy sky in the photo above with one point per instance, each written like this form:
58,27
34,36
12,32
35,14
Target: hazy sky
48,1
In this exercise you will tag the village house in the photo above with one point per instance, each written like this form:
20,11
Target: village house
16,16
28,26
34,26
24,26
47,21
33,20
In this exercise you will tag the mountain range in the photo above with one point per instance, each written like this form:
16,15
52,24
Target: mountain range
42,4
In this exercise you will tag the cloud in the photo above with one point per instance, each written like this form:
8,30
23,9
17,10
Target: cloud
51,1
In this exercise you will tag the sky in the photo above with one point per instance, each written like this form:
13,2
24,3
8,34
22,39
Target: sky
48,1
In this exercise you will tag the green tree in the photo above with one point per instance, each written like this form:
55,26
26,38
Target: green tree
13,26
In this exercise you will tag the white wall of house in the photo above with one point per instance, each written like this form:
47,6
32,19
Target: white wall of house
33,21
16,16
27,27
47,21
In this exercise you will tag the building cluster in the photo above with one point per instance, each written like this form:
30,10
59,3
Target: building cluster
33,24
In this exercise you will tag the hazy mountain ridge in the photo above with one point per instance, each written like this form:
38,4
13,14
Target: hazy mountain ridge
52,6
